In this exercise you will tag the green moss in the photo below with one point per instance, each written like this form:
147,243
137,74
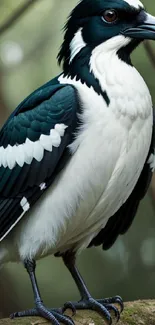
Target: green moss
127,316
141,312
135,313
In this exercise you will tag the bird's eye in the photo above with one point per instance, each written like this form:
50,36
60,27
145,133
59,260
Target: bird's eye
110,15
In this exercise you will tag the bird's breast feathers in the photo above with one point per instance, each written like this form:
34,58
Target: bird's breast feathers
113,141
108,155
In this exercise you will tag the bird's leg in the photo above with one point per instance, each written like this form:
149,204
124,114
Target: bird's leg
103,306
55,316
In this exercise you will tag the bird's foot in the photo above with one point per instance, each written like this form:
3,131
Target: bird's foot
54,315
113,300
102,306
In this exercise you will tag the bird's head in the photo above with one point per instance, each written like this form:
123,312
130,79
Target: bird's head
122,23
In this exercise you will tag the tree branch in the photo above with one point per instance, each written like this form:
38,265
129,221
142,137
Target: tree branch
136,312
150,52
152,190
16,15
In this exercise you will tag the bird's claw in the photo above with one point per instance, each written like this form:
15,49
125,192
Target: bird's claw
113,308
69,305
113,300
103,307
54,315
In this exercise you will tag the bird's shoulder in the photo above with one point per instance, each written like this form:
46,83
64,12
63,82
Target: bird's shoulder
50,104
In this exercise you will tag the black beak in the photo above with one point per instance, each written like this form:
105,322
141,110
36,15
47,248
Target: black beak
146,30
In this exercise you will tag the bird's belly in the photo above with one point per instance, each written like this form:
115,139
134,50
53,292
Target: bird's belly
95,183
113,149
110,182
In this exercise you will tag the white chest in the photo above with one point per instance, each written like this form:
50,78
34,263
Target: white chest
113,143
108,156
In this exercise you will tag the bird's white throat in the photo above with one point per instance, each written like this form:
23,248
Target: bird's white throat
126,89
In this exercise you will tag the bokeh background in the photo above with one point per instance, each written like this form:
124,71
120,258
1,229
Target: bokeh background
28,52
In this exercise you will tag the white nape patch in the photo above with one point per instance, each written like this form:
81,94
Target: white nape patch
25,204
135,3
151,162
76,44
42,186
24,153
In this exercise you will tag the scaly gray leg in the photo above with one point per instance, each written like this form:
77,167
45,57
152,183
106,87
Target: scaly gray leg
102,306
55,315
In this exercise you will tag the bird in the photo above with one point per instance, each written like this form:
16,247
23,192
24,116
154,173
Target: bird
77,155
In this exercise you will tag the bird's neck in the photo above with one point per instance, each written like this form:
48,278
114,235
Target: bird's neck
94,66
125,87
112,77
109,67
79,69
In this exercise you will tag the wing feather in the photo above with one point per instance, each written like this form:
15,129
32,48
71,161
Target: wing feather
50,114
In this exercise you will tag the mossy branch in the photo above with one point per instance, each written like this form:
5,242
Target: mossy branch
135,313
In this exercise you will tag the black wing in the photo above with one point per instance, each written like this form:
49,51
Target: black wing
33,149
120,222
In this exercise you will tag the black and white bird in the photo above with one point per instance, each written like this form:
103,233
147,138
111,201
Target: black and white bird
77,155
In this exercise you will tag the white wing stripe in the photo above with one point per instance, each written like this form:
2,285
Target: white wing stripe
55,138
24,153
46,142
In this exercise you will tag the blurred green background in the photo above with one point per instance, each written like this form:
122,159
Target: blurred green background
28,59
